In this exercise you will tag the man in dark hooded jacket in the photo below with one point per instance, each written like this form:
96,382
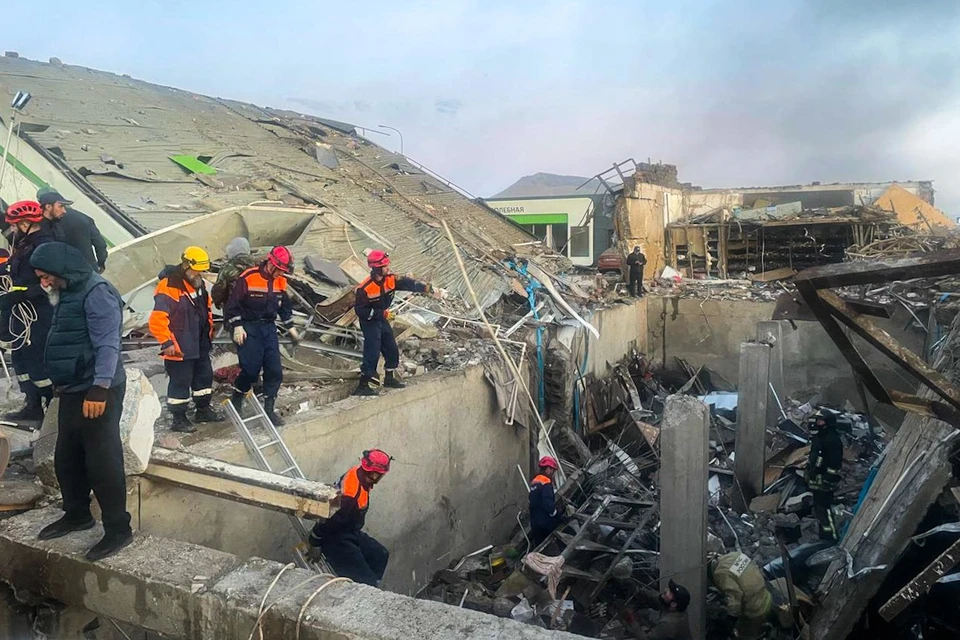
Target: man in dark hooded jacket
83,361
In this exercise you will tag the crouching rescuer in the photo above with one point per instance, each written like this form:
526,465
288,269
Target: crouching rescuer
374,297
182,322
83,361
349,551
258,298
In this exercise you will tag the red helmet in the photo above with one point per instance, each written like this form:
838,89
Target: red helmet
24,211
377,258
280,258
547,461
376,461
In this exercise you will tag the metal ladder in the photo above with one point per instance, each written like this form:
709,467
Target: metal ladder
291,468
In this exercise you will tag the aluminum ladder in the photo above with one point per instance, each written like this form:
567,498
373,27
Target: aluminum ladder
291,468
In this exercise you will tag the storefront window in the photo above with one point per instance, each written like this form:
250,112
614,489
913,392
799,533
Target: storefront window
579,242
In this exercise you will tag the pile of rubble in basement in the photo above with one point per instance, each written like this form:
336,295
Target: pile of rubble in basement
608,582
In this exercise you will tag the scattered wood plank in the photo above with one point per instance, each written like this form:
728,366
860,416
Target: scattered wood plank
302,498
773,275
921,584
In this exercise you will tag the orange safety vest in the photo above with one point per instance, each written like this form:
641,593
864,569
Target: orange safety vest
375,290
350,487
176,316
540,480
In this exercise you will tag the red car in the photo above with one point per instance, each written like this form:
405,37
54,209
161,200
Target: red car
610,261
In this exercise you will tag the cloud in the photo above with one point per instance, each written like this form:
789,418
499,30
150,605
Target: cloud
447,107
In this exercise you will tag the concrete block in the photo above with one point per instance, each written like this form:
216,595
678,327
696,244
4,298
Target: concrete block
152,584
141,408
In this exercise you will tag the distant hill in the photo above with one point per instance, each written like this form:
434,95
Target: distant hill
549,184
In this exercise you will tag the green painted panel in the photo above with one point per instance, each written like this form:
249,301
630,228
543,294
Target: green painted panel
538,218
193,165
25,170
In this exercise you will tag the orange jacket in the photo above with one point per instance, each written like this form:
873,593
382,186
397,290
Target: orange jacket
181,315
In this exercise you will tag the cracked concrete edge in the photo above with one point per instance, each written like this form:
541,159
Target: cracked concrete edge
183,590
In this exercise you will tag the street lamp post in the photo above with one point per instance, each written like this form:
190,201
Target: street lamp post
383,126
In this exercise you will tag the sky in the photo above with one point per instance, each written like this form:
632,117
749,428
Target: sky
735,93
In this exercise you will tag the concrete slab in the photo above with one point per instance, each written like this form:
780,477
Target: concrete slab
185,591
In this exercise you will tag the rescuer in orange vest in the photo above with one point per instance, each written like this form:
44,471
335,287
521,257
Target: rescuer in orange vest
351,552
182,322
374,297
258,298
544,516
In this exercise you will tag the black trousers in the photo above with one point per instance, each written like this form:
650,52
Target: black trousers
261,350
189,377
822,501
636,283
89,455
378,338
356,556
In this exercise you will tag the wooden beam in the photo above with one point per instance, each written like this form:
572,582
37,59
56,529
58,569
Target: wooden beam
921,584
293,496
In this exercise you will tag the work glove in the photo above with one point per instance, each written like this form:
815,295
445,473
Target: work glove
171,351
101,268
95,402
294,335
388,315
314,554
239,335
433,292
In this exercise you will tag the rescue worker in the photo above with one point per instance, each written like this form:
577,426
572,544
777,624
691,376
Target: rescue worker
748,601
824,470
73,227
238,261
350,552
258,298
182,322
27,312
83,360
374,297
635,263
544,516
674,623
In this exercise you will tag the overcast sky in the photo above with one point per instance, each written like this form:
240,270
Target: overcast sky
735,93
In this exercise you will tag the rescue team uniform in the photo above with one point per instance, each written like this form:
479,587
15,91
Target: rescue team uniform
372,301
182,317
544,517
255,303
350,552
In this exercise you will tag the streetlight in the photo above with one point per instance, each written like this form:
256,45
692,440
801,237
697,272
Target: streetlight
383,126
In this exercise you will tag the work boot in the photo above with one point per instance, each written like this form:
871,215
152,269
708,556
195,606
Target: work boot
364,388
32,411
206,413
268,409
181,424
392,381
66,524
109,545
237,401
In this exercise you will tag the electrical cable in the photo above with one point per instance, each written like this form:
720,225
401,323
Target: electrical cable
24,312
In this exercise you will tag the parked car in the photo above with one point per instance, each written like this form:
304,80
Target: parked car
610,261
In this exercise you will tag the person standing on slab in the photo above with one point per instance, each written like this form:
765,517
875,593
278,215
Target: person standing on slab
635,263
350,552
83,361
73,227
374,297
26,312
182,322
824,469
238,261
258,298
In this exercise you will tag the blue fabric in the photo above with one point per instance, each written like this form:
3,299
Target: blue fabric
28,359
544,517
104,317
261,350
378,338
356,556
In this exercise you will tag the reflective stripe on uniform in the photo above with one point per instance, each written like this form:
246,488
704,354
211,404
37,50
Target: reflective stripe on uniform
46,382
178,400
23,377
202,392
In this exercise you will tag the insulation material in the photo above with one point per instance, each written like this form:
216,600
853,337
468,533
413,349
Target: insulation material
912,210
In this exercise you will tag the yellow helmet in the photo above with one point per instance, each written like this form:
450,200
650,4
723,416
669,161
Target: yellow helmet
196,258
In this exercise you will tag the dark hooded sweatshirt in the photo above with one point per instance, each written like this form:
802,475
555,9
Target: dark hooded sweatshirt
83,348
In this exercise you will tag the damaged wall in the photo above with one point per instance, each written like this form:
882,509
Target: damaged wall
709,332
452,489
641,217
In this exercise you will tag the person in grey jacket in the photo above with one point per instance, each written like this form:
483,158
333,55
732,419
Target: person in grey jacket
83,362
73,227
